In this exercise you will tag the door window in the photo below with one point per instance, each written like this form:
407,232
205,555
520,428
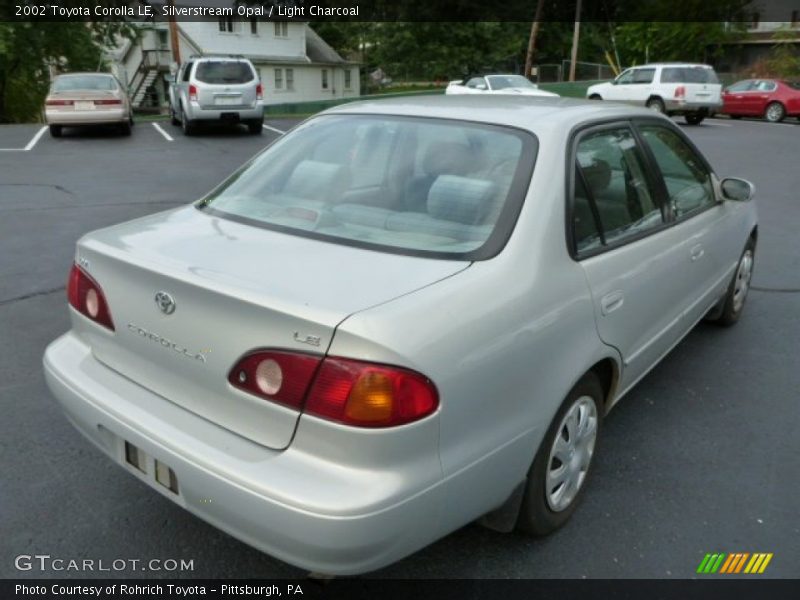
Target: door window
643,75
612,167
686,177
626,77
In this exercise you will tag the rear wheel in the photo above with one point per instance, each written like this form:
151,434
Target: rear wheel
694,118
256,127
775,112
125,128
173,118
557,478
186,124
735,116
657,105
595,97
55,130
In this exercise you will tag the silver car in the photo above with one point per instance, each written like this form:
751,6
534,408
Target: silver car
217,89
86,99
403,316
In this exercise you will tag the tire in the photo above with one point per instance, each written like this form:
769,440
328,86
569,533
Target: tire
256,127
657,105
775,112
544,509
186,124
694,118
595,97
55,131
125,128
735,297
173,118
735,116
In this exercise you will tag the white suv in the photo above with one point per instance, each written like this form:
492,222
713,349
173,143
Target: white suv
685,89
217,88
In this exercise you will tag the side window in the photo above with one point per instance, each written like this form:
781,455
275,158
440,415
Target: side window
766,86
475,82
741,86
687,180
187,70
585,233
626,77
614,172
643,75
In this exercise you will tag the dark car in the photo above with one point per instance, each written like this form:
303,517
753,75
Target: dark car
771,99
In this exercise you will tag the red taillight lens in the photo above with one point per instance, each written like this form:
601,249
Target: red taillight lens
114,102
680,91
282,377
369,395
260,92
59,102
193,93
86,296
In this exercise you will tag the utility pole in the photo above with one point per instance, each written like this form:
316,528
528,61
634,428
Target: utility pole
575,35
173,33
532,39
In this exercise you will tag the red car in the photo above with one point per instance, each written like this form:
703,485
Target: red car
772,99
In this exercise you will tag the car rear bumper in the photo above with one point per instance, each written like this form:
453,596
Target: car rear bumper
86,117
673,105
367,524
196,112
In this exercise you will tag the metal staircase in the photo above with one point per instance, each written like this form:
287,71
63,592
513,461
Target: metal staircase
142,90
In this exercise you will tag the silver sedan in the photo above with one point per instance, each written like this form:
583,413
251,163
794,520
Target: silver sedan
85,99
401,317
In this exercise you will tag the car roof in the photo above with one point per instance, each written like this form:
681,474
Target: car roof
84,74
526,112
673,64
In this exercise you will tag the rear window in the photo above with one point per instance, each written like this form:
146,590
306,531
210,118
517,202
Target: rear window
433,187
84,82
223,72
688,75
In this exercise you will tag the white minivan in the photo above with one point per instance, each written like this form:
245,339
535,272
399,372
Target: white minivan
692,90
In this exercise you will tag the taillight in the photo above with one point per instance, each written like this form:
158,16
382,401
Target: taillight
59,102
114,101
368,395
259,92
281,377
193,93
347,391
680,91
86,296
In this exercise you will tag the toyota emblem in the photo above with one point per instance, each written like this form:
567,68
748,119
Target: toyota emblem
165,303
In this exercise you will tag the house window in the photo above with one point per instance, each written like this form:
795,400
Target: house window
281,29
278,79
755,21
289,79
324,79
795,18
347,82
162,38
226,25
254,26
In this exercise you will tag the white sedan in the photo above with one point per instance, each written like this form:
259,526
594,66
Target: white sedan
496,84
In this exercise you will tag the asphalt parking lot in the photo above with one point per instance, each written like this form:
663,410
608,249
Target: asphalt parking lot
703,456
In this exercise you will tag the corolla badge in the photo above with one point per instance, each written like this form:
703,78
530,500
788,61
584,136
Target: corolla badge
165,303
167,343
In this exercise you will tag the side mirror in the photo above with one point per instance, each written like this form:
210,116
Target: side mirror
738,190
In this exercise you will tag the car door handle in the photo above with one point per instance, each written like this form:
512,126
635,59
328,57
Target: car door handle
611,302
697,252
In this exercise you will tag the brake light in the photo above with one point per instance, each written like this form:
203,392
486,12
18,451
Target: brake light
114,101
59,103
680,91
192,92
347,391
86,296
259,92
281,377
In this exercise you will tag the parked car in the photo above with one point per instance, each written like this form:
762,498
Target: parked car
496,84
772,99
223,89
402,316
83,99
685,89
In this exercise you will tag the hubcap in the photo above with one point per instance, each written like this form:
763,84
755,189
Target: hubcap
571,454
742,282
774,112
656,106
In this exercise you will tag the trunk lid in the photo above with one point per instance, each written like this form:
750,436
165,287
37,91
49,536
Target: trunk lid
235,288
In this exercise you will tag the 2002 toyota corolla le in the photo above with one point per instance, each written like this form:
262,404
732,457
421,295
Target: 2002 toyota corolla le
400,317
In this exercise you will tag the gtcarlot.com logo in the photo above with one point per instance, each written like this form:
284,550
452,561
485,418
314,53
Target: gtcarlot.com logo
734,563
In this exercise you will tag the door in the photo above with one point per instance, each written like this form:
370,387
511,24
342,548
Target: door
621,89
641,87
734,97
758,96
634,260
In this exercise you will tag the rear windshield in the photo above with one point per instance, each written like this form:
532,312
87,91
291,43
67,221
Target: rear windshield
84,82
433,187
688,75
501,82
223,72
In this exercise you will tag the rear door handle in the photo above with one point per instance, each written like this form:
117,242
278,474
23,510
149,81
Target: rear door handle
611,302
697,252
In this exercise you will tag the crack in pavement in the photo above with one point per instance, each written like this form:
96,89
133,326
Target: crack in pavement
774,290
50,185
32,295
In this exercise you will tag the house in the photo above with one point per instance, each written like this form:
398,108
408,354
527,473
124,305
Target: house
293,61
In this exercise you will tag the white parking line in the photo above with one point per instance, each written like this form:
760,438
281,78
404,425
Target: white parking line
718,124
167,136
273,129
30,145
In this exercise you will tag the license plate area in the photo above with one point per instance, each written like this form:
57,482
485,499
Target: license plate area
152,469
84,105
228,100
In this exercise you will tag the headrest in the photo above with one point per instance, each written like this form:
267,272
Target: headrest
598,174
460,199
313,179
447,157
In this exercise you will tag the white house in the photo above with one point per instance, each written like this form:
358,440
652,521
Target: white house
294,63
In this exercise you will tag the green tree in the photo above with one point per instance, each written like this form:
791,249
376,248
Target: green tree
784,58
28,50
